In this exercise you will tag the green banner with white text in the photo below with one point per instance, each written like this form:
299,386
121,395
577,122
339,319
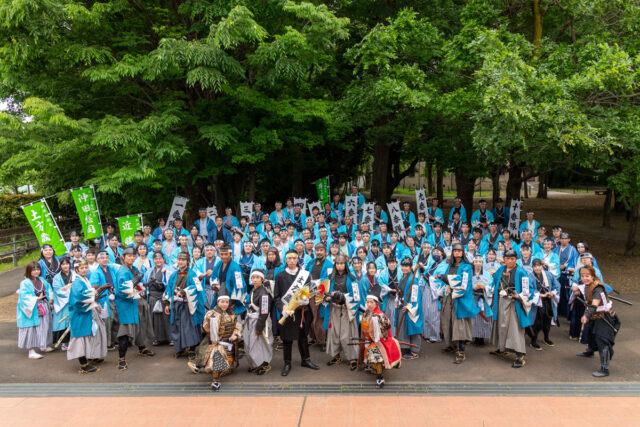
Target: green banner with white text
128,225
87,206
44,225
322,186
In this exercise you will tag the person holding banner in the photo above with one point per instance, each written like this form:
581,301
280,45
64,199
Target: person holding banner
88,341
33,313
75,241
184,302
126,297
296,325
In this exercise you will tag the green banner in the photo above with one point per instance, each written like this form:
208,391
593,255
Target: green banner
44,226
322,186
87,206
128,225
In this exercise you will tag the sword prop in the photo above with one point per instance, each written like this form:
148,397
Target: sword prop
366,341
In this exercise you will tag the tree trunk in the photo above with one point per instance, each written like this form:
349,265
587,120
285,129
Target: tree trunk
465,187
495,183
606,211
430,179
297,171
380,173
525,185
514,184
252,185
537,25
633,228
541,186
440,185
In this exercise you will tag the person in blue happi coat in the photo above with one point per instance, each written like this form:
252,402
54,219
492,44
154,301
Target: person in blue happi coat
513,293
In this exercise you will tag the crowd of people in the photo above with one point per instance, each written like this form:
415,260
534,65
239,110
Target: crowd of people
221,291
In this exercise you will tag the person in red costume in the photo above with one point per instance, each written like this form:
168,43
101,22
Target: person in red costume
379,350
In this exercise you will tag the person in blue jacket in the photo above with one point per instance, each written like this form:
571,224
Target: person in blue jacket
408,217
88,341
158,233
500,214
512,296
178,228
229,220
568,257
379,217
33,314
184,300
410,323
127,295
458,207
219,232
337,207
544,310
458,304
482,217
435,213
205,225
530,224
61,287
75,241
228,273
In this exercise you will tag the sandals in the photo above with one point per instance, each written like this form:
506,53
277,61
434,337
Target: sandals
145,352
335,361
460,357
122,364
87,369
353,365
263,369
410,356
96,361
215,386
192,365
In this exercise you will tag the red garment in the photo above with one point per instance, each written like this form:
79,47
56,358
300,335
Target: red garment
390,345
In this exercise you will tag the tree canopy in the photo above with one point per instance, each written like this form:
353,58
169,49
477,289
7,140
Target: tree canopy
229,100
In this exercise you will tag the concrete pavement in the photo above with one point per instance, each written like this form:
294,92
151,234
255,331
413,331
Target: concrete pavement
553,364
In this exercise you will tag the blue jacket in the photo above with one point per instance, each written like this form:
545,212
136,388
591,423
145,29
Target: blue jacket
127,307
210,225
60,301
193,288
26,309
463,214
235,284
358,296
465,304
96,277
522,279
226,235
80,319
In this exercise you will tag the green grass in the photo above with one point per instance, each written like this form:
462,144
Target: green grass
411,191
576,190
22,261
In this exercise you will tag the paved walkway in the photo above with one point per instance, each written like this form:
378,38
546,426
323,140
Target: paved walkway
322,411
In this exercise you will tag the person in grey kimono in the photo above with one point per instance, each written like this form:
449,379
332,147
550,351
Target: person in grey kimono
513,293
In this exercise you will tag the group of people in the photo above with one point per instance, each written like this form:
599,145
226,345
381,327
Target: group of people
224,290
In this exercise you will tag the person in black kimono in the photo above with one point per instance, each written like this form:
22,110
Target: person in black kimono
296,326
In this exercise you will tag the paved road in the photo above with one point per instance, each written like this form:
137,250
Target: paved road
557,364
10,281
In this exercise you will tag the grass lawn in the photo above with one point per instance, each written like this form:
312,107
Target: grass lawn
22,261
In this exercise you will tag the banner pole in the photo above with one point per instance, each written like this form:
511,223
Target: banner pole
54,220
95,199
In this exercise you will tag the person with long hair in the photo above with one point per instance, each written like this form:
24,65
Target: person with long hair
33,313
49,264
600,320
60,297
